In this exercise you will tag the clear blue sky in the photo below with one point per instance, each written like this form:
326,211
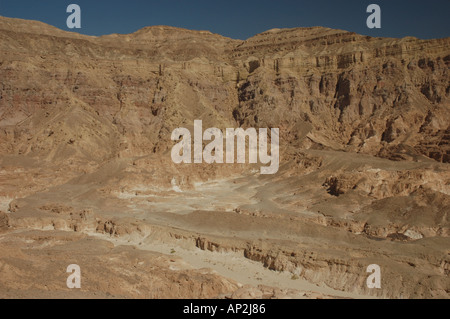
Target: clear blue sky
240,19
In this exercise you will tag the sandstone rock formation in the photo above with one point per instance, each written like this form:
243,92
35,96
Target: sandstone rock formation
85,126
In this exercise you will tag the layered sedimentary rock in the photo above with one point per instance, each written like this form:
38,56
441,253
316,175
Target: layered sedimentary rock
85,139
384,97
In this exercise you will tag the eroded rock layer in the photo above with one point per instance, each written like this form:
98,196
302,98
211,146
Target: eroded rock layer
85,127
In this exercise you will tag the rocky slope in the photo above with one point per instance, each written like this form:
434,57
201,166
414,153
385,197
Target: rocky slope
85,125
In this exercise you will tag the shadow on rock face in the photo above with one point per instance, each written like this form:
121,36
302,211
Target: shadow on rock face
4,221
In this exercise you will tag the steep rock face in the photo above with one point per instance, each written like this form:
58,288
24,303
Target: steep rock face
340,90
85,126
384,97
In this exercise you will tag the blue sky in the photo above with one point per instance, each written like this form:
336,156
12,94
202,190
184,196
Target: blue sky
240,19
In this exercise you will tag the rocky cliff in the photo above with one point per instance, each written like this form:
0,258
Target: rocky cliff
85,127
324,88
